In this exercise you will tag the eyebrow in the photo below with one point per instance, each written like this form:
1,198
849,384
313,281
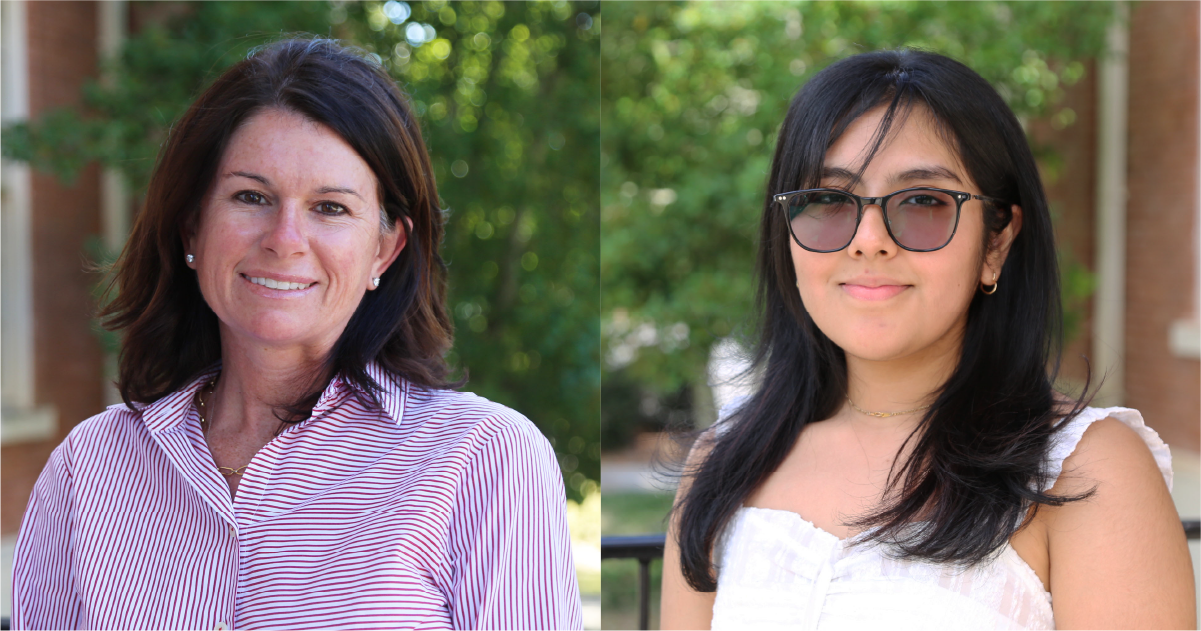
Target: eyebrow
255,177
321,191
338,189
918,174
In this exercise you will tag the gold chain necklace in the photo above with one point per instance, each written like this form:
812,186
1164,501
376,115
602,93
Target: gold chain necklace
225,471
885,414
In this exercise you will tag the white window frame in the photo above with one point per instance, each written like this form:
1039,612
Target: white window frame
21,419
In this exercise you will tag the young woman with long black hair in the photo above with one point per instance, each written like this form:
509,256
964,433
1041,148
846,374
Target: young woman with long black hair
904,461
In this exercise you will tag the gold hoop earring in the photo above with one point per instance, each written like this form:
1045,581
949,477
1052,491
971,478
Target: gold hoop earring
995,284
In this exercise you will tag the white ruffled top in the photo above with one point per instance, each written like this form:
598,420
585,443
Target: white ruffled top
776,570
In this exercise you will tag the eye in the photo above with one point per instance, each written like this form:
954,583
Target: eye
330,208
251,197
923,199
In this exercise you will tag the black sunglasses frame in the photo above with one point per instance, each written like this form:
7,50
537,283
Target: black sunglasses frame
782,200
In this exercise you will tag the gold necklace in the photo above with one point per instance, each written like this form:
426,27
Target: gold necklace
225,471
885,414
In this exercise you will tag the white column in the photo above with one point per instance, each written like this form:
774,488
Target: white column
20,419
1109,303
112,19
113,16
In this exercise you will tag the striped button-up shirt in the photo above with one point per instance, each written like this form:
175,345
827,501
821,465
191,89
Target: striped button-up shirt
434,509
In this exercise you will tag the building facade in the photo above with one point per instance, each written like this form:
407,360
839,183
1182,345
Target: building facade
53,365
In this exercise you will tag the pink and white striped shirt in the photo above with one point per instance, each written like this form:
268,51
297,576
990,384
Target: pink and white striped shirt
440,510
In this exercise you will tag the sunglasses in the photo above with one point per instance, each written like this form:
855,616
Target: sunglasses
918,219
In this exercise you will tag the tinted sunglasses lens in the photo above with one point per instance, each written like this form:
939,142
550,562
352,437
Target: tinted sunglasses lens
922,219
823,220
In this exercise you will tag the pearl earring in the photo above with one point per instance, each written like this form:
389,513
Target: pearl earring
190,258
376,281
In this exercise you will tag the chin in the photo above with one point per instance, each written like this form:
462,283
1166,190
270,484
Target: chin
277,330
871,345
875,354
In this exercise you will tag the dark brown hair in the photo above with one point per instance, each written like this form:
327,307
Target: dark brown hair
171,334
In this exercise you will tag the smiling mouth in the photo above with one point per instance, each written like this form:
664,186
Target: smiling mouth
878,292
271,283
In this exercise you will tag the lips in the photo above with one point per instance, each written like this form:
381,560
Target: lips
873,287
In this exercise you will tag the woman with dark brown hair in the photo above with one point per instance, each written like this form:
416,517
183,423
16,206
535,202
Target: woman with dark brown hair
290,453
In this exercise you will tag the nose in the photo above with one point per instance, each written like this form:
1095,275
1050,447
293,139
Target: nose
285,233
871,238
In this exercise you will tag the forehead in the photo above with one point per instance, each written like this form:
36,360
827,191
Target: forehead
915,142
290,150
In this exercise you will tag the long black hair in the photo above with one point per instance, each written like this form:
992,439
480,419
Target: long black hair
977,464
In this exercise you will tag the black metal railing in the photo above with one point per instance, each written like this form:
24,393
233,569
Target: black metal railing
647,548
644,548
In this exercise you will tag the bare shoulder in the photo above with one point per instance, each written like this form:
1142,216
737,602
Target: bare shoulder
1126,495
681,606
1110,454
1119,557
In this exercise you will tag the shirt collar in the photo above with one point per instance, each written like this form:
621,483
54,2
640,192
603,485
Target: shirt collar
393,394
170,411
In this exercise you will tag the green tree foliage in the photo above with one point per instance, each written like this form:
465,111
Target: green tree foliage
692,98
508,93
508,96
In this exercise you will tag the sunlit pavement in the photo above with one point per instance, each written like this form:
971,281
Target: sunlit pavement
630,470
7,545
631,477
592,611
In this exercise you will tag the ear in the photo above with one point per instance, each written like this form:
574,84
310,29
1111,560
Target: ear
390,245
999,247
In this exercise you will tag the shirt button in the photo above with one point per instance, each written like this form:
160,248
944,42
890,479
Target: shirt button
221,626
234,533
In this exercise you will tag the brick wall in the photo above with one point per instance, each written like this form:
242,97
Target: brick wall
1163,168
62,56
1070,181
1161,264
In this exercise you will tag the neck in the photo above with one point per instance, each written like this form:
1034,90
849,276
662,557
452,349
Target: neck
255,380
899,385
